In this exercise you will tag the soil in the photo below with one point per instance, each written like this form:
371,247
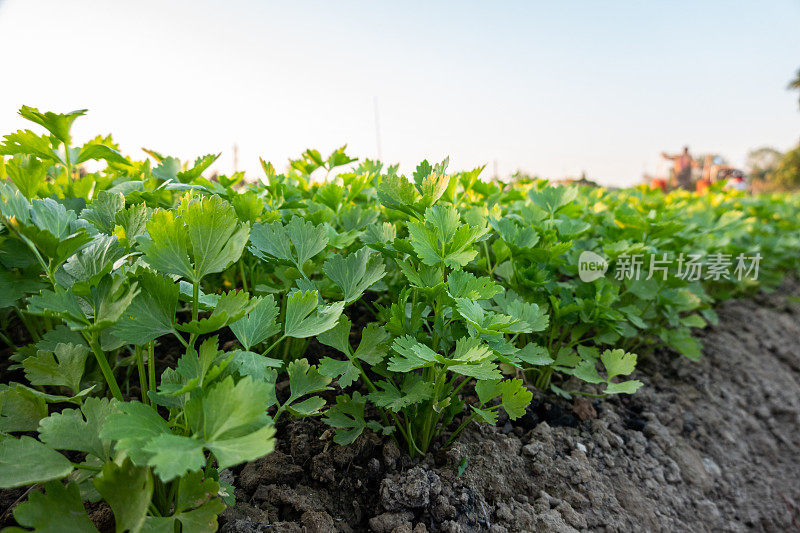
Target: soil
708,446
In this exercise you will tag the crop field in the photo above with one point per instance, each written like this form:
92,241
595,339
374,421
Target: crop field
165,329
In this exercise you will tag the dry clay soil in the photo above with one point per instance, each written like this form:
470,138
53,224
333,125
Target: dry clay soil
708,446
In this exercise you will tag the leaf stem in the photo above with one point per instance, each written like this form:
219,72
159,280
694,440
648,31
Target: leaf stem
151,366
142,375
67,163
489,268
6,340
244,278
463,425
32,330
589,394
180,338
264,354
108,374
91,468
195,300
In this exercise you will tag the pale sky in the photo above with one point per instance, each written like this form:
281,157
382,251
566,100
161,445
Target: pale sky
552,88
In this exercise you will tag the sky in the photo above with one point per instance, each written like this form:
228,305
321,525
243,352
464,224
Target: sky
549,88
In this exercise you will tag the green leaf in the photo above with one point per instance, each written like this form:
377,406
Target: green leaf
200,165
411,354
76,430
20,409
623,387
396,192
249,447
471,350
693,321
132,427
127,489
587,372
92,262
27,173
194,490
304,379
234,421
271,242
196,507
52,398
309,407
26,461
462,284
681,340
488,390
259,324
552,199
130,223
274,241
248,206
308,239
515,397
490,417
231,307
414,391
591,353
61,303
444,220
479,371
229,419
61,367
347,417
58,124
536,355
372,348
102,213
173,455
569,228
644,289
484,321
618,362
151,314
28,143
216,235
431,182
301,323
378,236
53,230
338,337
166,246
200,367
202,236
111,299
566,357
98,150
227,407
515,235
254,364
355,273
344,372
58,510
168,167
531,317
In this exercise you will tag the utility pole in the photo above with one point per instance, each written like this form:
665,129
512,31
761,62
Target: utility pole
377,128
235,157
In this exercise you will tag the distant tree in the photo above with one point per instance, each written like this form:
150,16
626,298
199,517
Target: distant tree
794,85
762,162
787,174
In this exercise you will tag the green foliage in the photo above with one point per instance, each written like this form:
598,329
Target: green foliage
202,236
421,304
